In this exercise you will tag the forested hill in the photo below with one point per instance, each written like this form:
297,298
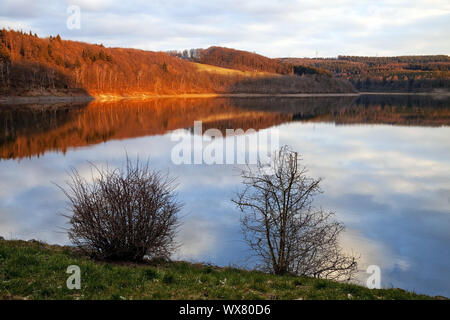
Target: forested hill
402,73
30,65
235,59
38,64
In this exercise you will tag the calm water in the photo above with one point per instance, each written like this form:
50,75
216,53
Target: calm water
385,163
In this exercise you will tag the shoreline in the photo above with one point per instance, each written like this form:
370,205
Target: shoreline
220,95
43,99
158,280
105,98
406,93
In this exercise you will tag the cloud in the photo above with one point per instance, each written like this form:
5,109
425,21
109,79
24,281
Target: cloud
273,28
92,5
198,238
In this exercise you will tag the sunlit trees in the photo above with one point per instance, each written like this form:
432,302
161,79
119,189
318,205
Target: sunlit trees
52,64
241,60
5,61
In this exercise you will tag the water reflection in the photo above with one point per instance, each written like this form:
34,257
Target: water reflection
390,184
31,130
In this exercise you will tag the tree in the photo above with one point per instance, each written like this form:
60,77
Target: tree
22,49
164,67
5,61
5,56
283,228
77,63
123,214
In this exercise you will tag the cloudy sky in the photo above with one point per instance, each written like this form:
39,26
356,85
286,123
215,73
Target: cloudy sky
277,28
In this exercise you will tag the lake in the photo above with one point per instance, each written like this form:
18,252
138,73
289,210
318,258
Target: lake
384,160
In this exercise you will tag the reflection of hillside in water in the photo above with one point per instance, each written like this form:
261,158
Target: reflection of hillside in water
396,110
33,130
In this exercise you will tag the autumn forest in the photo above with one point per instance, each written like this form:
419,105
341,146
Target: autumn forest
34,66
30,65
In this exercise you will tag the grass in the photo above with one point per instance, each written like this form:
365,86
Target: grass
227,71
35,270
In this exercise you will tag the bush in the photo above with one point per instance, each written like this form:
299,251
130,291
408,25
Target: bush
123,214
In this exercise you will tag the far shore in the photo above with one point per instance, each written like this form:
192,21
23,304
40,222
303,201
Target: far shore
104,97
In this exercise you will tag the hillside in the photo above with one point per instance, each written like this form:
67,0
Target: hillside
398,74
51,64
35,270
228,71
240,60
30,65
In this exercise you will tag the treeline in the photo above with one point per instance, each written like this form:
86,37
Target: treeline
301,70
30,65
235,59
402,73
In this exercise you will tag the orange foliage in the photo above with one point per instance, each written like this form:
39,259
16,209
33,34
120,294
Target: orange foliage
30,65
32,130
242,60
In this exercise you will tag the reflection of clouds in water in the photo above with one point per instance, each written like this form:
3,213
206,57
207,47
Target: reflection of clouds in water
197,238
8,225
34,214
389,185
372,253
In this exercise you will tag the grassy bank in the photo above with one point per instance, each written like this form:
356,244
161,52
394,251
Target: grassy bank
34,270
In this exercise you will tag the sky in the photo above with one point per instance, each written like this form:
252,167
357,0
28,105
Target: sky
277,28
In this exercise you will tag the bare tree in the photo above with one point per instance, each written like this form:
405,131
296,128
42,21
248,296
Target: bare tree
283,228
123,213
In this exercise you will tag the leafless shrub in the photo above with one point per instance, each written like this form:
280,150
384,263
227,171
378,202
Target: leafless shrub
124,213
283,228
